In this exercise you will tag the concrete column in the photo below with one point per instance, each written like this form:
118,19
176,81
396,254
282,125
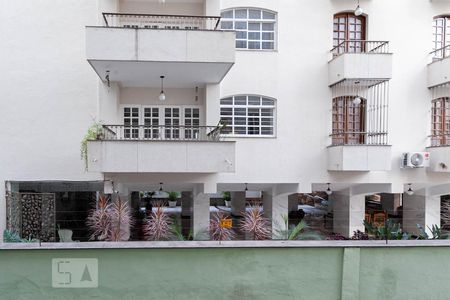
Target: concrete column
200,213
212,104
348,213
275,207
422,210
186,204
237,203
108,103
293,202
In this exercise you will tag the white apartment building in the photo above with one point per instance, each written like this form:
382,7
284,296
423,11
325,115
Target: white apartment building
312,97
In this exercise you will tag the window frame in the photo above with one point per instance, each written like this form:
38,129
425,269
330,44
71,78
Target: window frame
445,40
248,20
440,130
246,135
347,137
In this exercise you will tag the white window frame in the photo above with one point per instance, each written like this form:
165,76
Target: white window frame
161,115
232,106
247,20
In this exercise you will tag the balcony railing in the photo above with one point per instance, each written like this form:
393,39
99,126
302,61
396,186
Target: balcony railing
360,46
343,138
162,133
440,53
439,140
151,21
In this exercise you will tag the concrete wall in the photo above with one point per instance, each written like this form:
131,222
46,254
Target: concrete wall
439,72
264,273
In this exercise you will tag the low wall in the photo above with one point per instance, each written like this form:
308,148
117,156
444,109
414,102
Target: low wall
202,272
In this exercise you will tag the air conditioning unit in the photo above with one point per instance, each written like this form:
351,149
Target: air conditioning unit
416,160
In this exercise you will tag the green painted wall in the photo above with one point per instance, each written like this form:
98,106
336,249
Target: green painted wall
264,273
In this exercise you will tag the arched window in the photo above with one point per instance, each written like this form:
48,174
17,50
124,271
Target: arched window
255,28
248,115
440,122
348,32
348,121
441,36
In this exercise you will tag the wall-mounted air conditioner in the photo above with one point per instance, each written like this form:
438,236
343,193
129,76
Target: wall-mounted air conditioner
415,160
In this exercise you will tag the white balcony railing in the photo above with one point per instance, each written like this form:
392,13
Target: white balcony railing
152,21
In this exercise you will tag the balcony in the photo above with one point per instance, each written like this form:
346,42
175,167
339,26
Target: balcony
135,49
161,149
363,60
359,151
439,152
439,69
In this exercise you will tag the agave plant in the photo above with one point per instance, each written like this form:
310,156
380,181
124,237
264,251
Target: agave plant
159,226
255,224
436,233
120,220
99,220
217,232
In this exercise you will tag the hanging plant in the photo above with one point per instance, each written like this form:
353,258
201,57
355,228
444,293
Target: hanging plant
95,132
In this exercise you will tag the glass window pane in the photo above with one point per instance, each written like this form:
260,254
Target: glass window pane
268,36
240,100
227,14
268,15
254,14
266,101
240,25
226,101
254,100
241,44
254,45
254,26
241,34
227,25
253,36
240,14
268,26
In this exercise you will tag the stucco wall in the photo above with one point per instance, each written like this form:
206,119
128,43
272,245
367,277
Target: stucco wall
266,273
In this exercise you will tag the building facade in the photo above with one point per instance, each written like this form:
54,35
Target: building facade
276,97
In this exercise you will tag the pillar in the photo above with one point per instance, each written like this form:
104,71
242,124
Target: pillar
2,209
212,104
422,210
275,208
200,213
237,203
348,213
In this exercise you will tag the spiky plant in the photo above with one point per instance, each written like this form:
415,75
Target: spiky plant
159,226
99,220
217,232
256,224
121,221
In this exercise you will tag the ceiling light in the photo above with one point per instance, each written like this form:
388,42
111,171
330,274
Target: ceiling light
410,191
162,96
160,186
246,188
162,1
328,190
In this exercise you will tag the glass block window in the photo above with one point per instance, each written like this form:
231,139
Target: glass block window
249,115
255,28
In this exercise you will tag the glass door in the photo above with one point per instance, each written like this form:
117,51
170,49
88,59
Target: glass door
191,123
131,122
172,122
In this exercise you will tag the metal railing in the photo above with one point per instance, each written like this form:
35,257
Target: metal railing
440,53
152,21
439,139
340,138
164,133
360,46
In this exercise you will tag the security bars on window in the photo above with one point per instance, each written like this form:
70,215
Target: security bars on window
255,28
248,115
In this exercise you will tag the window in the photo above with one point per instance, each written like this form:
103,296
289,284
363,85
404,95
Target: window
248,115
440,122
161,122
441,36
348,121
255,28
348,27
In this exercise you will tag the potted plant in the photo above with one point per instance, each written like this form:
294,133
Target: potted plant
173,197
227,198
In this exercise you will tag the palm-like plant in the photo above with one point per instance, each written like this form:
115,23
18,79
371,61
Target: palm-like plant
159,226
256,224
121,221
217,232
99,221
